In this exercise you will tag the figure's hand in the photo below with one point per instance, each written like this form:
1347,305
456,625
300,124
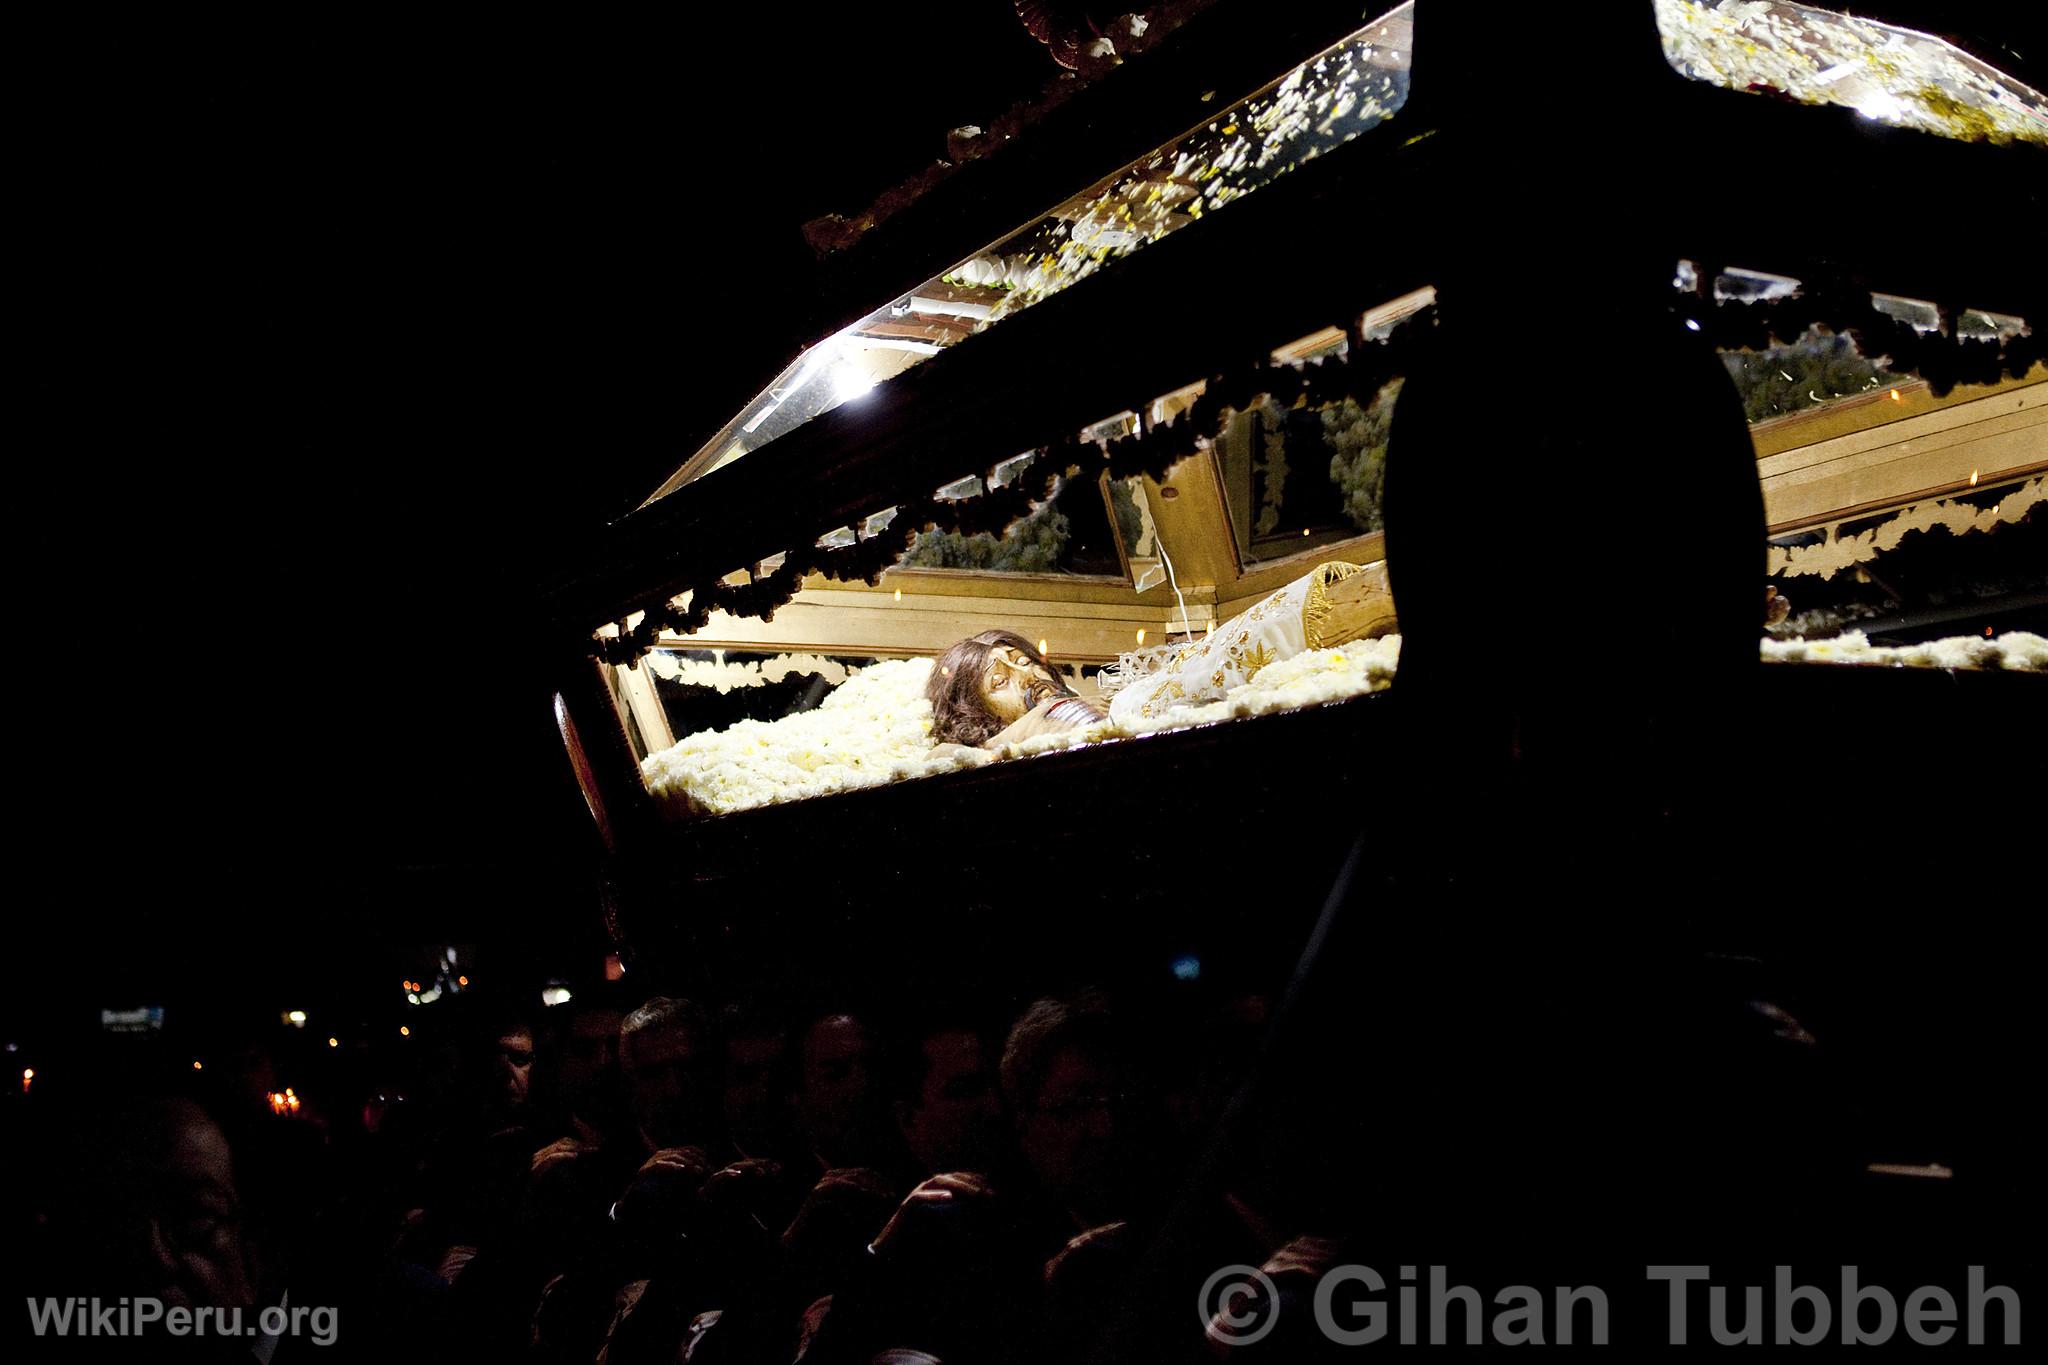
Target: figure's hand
1031,724
967,753
1776,608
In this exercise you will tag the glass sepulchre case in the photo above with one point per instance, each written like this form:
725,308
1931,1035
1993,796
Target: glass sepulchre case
1552,740
1128,523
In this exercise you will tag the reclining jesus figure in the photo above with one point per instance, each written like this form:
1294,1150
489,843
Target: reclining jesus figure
994,689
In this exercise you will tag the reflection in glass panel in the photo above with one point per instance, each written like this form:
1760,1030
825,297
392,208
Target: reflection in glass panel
1905,528
1073,532
1972,563
1816,369
1298,479
1343,91
1887,74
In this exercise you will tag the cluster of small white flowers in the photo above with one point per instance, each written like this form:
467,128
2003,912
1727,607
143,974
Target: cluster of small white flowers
1308,679
2015,651
876,726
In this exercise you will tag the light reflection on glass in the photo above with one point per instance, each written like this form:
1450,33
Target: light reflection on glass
1887,74
1347,89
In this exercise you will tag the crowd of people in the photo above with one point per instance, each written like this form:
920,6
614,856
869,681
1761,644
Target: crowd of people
785,1175
625,1179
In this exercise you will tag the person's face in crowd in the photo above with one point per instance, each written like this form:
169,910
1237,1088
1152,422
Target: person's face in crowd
956,1122
190,1215
754,1098
1011,684
1078,1134
513,1070
666,1071
838,1096
590,1054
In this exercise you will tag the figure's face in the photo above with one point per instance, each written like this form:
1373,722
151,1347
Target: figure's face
1011,684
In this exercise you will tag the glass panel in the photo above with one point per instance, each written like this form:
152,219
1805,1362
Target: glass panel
1905,528
1301,479
1885,73
1971,566
1343,91
1069,533
1818,368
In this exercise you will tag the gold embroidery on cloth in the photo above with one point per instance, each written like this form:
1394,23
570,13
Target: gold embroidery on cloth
1315,612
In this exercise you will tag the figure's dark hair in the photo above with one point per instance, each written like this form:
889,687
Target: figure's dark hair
958,714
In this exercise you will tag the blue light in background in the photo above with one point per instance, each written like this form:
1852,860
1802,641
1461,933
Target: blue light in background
1187,968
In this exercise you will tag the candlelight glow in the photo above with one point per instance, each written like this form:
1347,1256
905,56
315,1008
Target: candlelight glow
899,594
404,1032
1973,478
331,1042
1896,398
1042,649
1141,635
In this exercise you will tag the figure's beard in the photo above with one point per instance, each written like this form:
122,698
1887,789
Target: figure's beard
1040,689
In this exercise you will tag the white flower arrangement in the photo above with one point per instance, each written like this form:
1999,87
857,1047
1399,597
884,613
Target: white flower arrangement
876,726
2015,651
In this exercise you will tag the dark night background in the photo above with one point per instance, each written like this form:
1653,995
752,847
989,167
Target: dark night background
349,330
341,332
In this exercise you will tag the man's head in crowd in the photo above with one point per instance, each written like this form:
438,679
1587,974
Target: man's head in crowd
1067,1075
947,1106
839,1091
755,1096
668,1055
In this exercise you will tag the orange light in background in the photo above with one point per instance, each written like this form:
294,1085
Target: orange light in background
1896,398
28,1073
614,969
404,1032
334,1042
1973,478
196,1066
462,981
1304,533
